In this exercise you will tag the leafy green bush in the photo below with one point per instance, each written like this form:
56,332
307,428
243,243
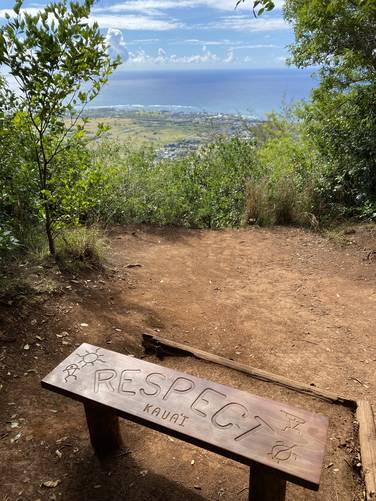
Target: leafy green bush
343,129
286,184
204,189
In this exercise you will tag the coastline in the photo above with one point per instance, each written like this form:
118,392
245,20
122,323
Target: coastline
171,133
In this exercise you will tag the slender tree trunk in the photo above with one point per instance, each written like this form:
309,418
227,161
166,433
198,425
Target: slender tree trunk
50,238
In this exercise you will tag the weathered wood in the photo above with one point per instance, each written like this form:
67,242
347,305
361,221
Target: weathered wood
244,427
265,485
104,429
161,346
367,439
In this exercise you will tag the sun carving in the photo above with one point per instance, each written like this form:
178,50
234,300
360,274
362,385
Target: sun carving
90,358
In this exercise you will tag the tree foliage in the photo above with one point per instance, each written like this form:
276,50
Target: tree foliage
60,62
259,6
339,37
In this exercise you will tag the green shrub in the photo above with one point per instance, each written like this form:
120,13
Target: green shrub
285,187
204,189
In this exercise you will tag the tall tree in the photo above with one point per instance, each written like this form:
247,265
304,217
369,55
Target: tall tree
339,37
60,62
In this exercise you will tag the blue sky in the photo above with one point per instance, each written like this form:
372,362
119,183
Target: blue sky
182,34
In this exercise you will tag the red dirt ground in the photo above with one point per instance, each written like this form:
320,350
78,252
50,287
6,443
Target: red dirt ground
284,300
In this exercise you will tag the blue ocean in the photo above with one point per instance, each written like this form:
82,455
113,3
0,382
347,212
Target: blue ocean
246,92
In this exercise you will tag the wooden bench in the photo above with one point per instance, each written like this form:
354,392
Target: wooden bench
279,442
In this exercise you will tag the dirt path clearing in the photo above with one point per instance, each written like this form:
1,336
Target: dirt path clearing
283,300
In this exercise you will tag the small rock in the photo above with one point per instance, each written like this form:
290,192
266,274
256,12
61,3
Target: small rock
16,438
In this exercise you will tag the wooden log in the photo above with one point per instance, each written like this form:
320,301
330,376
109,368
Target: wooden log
367,439
161,346
266,485
103,428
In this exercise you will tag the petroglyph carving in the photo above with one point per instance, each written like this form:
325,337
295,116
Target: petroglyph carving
281,451
71,370
293,421
90,358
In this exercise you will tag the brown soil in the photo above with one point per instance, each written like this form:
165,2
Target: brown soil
283,300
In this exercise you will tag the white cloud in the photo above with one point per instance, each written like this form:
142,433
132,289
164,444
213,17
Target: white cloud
234,44
116,44
194,41
282,59
162,56
133,22
140,57
143,40
146,6
230,57
258,46
247,23
30,10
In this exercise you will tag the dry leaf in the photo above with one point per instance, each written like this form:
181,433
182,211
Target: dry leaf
50,483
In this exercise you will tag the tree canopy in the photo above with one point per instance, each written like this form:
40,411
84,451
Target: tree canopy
339,36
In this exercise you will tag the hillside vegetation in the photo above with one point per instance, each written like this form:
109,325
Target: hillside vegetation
313,165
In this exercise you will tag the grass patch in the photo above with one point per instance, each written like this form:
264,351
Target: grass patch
81,248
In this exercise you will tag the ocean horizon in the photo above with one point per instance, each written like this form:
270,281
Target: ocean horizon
251,93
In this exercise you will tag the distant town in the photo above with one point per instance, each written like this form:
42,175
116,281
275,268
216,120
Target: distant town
171,133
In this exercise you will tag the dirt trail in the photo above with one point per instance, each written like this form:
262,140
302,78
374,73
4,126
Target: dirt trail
283,300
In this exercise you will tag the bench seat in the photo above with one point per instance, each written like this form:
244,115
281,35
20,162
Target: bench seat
288,442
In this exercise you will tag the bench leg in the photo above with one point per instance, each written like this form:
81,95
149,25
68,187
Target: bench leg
266,485
103,429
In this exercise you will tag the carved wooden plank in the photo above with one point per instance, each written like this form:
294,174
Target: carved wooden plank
367,439
162,346
244,427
